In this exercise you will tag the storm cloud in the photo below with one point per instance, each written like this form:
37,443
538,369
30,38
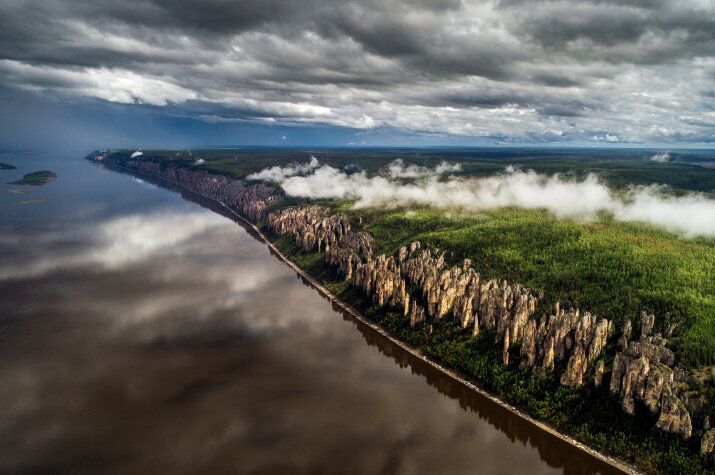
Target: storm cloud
510,71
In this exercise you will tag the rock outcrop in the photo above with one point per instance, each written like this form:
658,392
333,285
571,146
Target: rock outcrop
625,335
382,280
251,200
644,370
311,226
565,334
473,301
674,417
598,377
707,443
505,350
647,323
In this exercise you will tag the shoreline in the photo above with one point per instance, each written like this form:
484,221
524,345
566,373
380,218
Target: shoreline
354,313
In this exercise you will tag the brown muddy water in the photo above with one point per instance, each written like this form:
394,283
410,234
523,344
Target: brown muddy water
142,332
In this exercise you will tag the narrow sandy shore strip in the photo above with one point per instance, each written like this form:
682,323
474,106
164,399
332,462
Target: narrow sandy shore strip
612,461
18,192
30,202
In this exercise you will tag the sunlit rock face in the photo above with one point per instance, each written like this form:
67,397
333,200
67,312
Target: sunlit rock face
646,370
708,442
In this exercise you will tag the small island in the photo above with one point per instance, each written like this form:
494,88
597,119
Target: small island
35,178
6,166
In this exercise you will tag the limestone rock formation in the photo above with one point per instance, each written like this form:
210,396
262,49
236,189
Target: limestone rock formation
659,376
529,351
381,278
629,378
472,300
598,378
548,362
647,322
565,335
625,335
707,443
311,226
575,368
505,351
644,370
249,199
674,416
417,315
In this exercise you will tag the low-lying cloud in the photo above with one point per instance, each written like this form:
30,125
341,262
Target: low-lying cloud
398,169
565,197
661,157
278,174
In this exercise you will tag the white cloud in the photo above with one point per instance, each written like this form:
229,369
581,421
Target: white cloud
397,169
581,199
281,173
115,85
661,157
562,72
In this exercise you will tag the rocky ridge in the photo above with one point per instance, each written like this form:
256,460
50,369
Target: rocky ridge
250,199
643,370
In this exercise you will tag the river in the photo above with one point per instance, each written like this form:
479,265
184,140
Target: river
142,331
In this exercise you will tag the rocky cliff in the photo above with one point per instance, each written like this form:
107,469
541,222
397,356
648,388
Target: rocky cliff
251,199
644,370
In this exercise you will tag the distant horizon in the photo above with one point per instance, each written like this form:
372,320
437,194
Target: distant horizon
682,148
429,147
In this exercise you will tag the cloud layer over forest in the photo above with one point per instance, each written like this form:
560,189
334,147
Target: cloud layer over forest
690,214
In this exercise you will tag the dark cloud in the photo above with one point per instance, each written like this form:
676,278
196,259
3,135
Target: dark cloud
640,32
510,68
573,108
556,80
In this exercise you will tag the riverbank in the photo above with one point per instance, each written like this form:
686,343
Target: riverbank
618,464
354,313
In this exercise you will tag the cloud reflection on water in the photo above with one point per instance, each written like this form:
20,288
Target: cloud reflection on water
200,352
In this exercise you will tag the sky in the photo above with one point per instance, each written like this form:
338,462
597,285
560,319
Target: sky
79,73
